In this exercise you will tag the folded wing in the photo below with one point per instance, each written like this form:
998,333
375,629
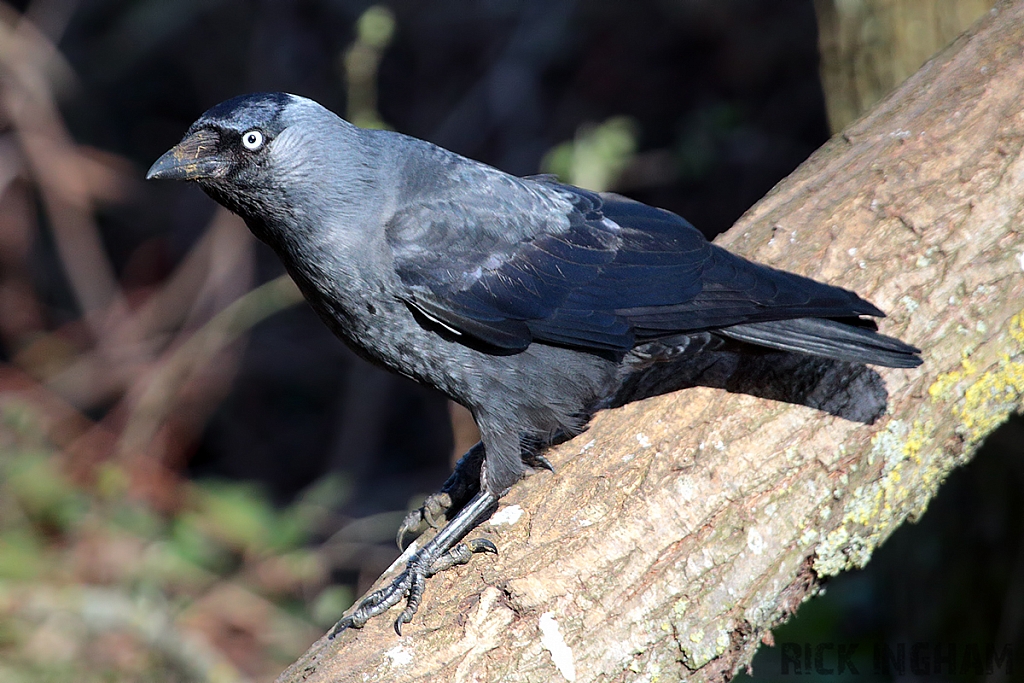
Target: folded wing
599,272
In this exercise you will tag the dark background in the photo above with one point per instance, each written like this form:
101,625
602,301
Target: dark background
726,100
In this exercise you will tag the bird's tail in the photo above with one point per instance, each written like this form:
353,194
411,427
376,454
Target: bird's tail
828,339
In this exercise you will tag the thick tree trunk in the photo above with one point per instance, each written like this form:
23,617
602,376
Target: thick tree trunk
870,47
681,528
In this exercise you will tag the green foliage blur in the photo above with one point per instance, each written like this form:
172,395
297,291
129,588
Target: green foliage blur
96,585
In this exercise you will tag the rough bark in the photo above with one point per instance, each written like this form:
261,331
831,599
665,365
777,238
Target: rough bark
871,46
681,528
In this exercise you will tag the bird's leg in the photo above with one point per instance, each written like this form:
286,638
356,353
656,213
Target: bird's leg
442,552
462,485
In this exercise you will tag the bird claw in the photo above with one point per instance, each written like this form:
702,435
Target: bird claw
481,545
538,461
461,554
432,514
410,585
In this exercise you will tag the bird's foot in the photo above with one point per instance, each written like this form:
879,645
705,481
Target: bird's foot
432,514
410,584
442,552
461,486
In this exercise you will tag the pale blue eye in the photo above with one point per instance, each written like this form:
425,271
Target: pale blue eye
252,140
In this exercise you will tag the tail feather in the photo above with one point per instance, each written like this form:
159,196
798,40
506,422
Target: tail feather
828,339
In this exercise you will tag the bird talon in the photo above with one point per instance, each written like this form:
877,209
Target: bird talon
540,461
428,516
431,515
344,624
413,523
404,618
400,539
461,554
481,545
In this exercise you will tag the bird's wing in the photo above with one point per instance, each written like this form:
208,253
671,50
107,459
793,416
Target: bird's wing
575,268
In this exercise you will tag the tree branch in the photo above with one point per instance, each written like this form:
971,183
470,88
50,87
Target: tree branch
681,528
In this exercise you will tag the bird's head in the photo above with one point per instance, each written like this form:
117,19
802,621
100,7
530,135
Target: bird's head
256,153
229,142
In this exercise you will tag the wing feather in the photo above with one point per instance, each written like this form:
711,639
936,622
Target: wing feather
567,266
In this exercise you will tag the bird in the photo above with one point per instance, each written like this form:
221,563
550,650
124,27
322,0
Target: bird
527,300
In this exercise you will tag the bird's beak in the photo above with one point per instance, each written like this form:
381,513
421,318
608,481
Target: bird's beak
194,158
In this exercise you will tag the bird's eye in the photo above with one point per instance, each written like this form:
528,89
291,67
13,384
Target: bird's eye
252,140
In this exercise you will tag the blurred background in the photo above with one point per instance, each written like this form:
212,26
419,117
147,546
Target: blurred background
196,478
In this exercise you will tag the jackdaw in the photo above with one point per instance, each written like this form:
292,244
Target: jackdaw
526,300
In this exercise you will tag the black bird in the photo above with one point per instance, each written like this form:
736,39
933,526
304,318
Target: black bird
526,300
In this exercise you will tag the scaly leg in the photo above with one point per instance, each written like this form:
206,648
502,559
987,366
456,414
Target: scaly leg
440,553
462,485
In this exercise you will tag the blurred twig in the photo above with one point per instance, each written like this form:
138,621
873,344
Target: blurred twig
374,30
216,271
158,395
26,63
127,363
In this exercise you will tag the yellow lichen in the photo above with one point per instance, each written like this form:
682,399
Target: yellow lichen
990,397
980,398
873,510
920,434
989,400
947,380
943,383
1016,329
